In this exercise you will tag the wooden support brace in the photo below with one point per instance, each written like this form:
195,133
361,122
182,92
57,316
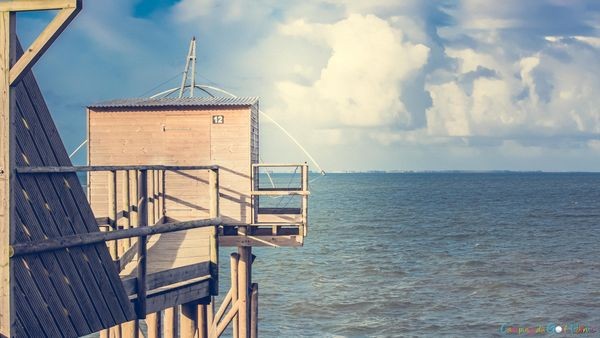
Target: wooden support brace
68,11
36,5
223,324
7,163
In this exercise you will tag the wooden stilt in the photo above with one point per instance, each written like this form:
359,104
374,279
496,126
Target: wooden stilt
234,290
188,319
153,325
104,334
171,328
202,321
130,329
243,279
254,311
210,314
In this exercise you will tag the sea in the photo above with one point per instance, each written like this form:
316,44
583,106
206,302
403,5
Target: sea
438,255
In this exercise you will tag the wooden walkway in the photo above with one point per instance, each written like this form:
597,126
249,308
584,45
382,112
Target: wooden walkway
174,250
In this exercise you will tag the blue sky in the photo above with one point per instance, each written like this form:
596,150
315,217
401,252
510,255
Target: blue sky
414,84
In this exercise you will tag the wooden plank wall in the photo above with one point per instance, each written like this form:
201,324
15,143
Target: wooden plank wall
177,137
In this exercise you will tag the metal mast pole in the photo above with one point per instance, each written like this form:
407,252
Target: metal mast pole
191,57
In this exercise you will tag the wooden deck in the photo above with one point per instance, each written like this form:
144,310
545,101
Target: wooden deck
174,250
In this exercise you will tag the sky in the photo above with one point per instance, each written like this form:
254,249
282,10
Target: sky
363,85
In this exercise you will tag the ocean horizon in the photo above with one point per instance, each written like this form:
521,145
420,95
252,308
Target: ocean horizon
437,255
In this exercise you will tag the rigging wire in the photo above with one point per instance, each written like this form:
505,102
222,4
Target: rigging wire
78,148
161,84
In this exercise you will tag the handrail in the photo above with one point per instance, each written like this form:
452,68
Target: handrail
276,165
279,192
52,244
70,169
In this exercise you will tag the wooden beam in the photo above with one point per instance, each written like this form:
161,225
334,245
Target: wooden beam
74,169
36,5
43,41
7,164
279,193
29,248
278,165
250,240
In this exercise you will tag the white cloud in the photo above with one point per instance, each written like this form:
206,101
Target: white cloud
361,85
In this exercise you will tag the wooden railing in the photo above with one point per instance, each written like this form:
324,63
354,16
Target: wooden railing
144,184
301,190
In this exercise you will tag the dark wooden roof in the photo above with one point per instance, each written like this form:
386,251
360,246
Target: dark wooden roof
175,102
69,292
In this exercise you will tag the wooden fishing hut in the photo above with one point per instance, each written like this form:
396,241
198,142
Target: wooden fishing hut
170,181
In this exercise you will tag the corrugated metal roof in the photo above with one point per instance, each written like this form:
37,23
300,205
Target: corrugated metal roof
177,102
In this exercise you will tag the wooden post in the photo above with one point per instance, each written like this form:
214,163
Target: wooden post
163,212
202,321
189,319
157,175
171,327
245,253
126,202
213,181
152,195
112,210
134,198
254,311
304,230
234,290
142,222
131,329
153,325
7,163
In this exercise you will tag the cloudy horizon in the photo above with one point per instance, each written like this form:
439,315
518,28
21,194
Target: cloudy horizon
411,85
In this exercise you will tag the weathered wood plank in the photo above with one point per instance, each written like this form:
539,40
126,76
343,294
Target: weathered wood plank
74,169
166,297
7,102
35,5
58,204
142,249
105,274
98,237
47,207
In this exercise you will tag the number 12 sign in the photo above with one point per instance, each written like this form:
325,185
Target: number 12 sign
218,119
